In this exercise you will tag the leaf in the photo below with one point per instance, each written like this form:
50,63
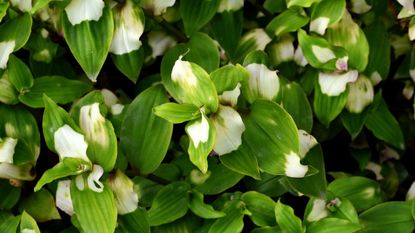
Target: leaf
388,217
59,89
232,222
19,74
130,64
41,206
302,3
177,113
135,221
379,46
362,192
275,229
67,167
328,225
17,29
295,102
326,13
169,204
3,9
261,207
145,137
146,190
227,77
268,122
196,14
314,185
353,122
327,108
385,126
10,225
227,29
290,20
198,207
287,220
90,41
28,223
189,223
9,195
39,4
96,212
220,179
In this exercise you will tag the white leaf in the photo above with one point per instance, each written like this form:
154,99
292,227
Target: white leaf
230,97
307,142
126,199
333,84
293,167
360,6
92,124
6,48
318,211
229,128
159,42
158,7
79,11
319,25
63,197
323,55
69,143
93,179
183,75
230,5
260,37
360,95
299,57
7,147
199,131
128,29
263,82
23,5
410,195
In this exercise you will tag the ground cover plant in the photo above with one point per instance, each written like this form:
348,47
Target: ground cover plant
214,116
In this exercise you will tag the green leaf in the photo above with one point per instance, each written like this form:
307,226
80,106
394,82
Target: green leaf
347,34
326,13
198,207
96,212
41,206
287,220
8,94
146,190
288,21
380,51
362,192
17,29
314,185
28,223
196,14
59,89
345,210
135,222
3,9
243,161
177,113
227,29
261,207
268,122
220,179
227,77
328,225
67,167
10,225
327,108
302,3
19,74
39,4
388,217
385,126
295,102
19,123
130,64
232,222
353,122
145,137
169,204
275,229
90,41
202,138
189,223
9,195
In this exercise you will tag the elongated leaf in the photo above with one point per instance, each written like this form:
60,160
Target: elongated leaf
41,206
287,220
227,29
288,21
177,113
295,102
362,192
19,74
353,122
384,126
243,161
189,223
90,41
232,222
326,13
261,207
169,204
59,89
28,223
227,77
17,29
379,47
130,64
328,225
198,207
10,225
135,221
196,14
144,136
268,122
3,9
9,195
388,217
96,212
327,108
302,3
